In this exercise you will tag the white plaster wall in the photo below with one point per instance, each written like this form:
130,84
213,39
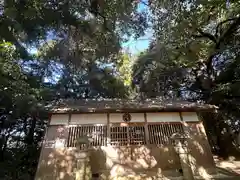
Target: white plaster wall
59,119
88,119
118,117
62,119
190,116
163,117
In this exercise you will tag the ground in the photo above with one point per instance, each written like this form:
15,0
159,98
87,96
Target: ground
230,166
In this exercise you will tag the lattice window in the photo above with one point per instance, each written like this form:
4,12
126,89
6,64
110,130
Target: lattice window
119,135
127,135
131,134
137,135
161,133
97,133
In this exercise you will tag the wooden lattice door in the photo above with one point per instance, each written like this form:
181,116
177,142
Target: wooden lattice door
127,134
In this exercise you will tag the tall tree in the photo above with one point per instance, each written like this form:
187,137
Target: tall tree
197,42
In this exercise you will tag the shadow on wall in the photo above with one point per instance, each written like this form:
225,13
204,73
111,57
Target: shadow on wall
139,161
56,164
142,162
108,162
200,155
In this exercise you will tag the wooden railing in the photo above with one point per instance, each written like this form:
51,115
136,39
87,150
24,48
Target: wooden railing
127,135
98,134
161,133
131,134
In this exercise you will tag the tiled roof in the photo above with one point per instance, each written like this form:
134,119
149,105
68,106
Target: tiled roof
121,105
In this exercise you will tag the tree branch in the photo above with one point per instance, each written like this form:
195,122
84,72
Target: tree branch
233,27
144,3
221,23
205,35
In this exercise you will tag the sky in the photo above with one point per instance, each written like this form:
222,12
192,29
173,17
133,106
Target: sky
134,46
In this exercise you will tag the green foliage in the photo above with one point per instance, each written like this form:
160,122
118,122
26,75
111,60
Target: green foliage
124,66
194,55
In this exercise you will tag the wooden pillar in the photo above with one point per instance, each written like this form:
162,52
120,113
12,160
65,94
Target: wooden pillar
184,161
182,151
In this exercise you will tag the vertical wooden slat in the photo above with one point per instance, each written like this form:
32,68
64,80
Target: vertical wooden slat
104,136
96,132
83,134
100,135
161,129
80,134
120,130
150,130
108,129
75,136
172,131
128,136
150,133
176,128
165,133
69,137
121,134
72,137
168,133
117,130
146,129
71,141
161,134
90,133
158,137
123,129
154,133
112,134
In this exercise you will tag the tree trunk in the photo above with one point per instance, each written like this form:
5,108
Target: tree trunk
3,146
30,135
